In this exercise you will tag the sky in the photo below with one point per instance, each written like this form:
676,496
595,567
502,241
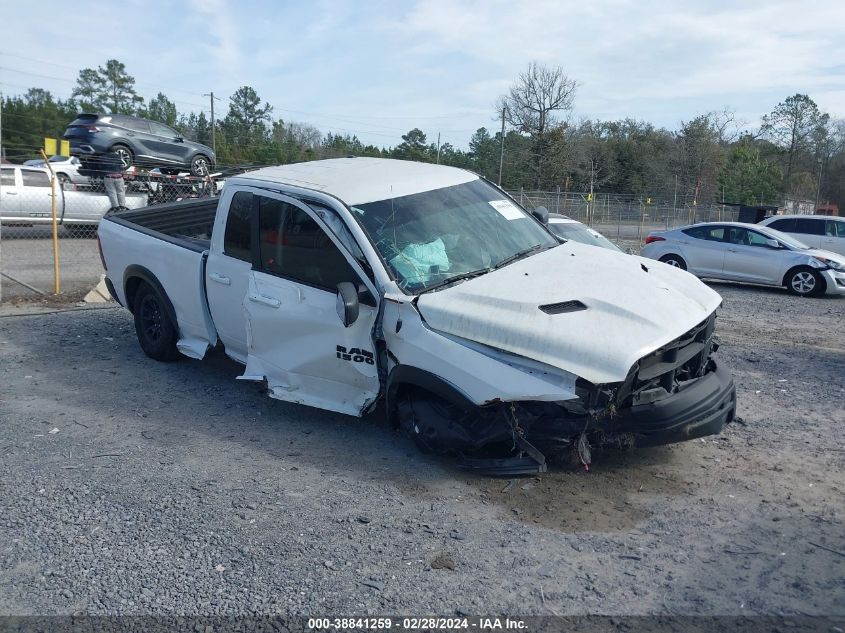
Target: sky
378,69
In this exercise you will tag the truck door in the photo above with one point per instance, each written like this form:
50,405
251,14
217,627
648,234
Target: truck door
295,338
227,272
10,203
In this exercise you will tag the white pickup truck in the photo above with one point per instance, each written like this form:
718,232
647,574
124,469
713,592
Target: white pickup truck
346,282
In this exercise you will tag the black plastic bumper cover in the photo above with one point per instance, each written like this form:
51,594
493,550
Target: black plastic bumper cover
703,407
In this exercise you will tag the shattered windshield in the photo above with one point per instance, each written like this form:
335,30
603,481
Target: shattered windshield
430,238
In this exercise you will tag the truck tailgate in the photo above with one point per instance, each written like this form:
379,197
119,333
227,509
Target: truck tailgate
179,270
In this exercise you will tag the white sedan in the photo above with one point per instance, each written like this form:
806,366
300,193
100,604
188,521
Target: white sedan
752,253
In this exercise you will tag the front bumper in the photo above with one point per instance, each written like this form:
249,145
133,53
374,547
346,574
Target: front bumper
701,407
835,281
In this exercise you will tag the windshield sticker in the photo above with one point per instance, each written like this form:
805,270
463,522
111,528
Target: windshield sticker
508,209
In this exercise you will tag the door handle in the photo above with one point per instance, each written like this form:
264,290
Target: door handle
11,193
732,250
265,300
221,279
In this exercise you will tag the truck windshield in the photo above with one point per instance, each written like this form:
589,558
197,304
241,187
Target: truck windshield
430,238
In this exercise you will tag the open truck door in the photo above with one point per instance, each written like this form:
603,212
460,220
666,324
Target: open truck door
310,340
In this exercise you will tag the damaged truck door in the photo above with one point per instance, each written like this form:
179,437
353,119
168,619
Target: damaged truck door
296,339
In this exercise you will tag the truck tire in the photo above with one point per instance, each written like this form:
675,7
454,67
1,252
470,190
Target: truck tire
156,332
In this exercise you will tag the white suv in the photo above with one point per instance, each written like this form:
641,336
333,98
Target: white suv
816,231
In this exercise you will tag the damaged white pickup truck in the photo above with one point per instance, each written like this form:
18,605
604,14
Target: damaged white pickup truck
343,283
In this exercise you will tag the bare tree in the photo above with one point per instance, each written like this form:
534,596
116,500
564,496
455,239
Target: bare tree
532,104
798,127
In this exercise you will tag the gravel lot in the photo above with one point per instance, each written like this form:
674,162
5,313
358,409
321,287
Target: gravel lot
134,487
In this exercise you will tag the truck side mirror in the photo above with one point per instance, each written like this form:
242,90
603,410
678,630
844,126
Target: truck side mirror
347,303
772,243
542,214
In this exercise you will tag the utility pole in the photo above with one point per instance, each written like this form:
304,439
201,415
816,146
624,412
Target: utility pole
213,124
819,185
502,150
438,148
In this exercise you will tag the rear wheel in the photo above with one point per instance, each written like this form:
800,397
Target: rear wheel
804,282
156,331
674,260
125,154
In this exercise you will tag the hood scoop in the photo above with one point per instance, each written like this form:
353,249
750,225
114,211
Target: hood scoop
563,307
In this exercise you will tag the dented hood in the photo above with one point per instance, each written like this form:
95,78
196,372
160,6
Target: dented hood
632,306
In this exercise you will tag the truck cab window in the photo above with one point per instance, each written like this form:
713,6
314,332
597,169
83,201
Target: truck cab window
292,245
7,177
35,178
237,241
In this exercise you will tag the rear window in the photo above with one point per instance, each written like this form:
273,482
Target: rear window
809,226
85,119
237,241
35,178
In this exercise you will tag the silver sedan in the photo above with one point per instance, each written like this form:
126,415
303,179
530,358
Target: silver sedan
752,253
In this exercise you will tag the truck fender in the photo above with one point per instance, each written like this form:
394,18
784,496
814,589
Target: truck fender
407,375
135,272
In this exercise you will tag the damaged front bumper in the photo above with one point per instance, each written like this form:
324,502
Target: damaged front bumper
700,407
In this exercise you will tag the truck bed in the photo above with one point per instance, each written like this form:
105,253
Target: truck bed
186,223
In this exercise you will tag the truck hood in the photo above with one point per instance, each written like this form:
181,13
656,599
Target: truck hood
631,307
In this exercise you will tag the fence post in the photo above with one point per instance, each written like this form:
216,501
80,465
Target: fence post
53,196
521,197
557,206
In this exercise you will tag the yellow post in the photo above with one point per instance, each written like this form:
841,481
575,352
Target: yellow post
53,195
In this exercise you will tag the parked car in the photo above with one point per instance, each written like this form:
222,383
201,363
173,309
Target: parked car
817,231
735,251
569,229
346,282
137,141
66,169
26,198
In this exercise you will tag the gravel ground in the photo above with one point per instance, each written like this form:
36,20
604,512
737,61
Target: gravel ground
134,487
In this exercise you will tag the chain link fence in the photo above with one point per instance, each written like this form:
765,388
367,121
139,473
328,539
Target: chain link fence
32,263
626,219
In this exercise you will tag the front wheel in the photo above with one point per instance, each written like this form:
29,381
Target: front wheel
125,155
674,260
200,165
804,282
156,331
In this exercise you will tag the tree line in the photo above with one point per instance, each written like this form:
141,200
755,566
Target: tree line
797,151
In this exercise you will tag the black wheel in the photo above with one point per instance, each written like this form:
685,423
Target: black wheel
125,154
200,165
804,282
156,331
674,260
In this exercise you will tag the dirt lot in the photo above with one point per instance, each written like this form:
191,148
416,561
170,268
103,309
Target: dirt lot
130,486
